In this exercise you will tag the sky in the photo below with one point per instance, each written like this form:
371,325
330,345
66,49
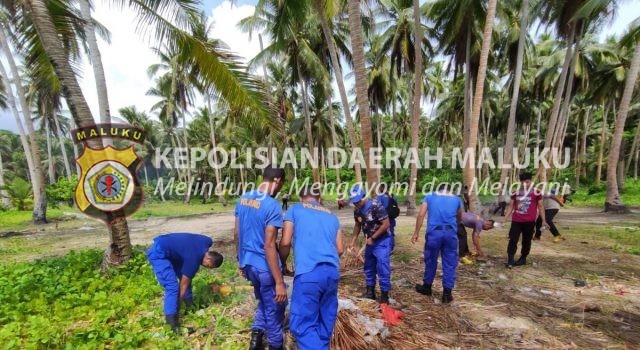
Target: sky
128,56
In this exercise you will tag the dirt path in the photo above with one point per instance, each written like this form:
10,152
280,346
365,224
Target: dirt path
532,307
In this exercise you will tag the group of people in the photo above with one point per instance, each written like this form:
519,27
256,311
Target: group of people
314,234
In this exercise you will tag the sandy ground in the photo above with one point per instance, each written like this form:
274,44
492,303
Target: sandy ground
531,307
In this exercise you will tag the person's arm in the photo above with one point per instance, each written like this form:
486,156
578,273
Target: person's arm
384,226
184,284
542,214
419,220
509,211
356,232
271,253
285,242
555,198
459,215
339,244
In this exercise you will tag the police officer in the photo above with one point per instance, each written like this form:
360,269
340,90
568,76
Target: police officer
317,243
372,219
386,199
445,212
258,218
178,256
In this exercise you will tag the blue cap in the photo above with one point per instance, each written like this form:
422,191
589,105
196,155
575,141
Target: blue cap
356,194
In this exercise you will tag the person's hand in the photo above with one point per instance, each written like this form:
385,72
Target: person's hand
414,238
546,225
241,272
281,293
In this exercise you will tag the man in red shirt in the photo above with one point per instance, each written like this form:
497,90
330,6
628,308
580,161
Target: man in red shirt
525,204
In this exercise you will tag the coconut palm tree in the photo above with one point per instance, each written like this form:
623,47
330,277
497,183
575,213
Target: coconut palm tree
357,48
613,202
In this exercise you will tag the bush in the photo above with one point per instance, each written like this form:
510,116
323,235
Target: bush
62,191
20,192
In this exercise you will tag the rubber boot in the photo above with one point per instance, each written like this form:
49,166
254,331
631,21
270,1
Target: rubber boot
279,348
370,293
173,322
446,296
424,289
256,339
384,297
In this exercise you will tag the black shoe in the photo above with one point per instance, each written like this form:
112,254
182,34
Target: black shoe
446,296
510,263
173,322
384,297
424,289
520,262
370,293
256,339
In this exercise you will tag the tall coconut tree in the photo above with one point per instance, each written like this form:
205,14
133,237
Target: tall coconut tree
37,180
357,48
468,171
613,202
167,21
96,63
517,76
327,10
417,99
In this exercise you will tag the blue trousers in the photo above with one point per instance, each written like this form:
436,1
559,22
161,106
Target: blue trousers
445,243
269,316
378,262
314,307
167,276
392,233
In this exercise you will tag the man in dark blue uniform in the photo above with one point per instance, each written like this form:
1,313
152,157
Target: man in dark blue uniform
445,212
178,256
258,218
372,219
317,242
386,199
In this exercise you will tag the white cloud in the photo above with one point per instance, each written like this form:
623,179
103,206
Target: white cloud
225,18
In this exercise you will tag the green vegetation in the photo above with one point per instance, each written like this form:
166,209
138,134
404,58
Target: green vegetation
68,303
12,220
594,196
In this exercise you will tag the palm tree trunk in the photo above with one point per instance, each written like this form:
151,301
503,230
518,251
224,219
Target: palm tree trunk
557,101
187,197
603,136
96,63
63,149
6,201
417,98
307,123
513,108
214,144
335,62
37,182
583,147
119,250
355,26
634,146
11,102
50,161
334,140
468,172
613,202
467,87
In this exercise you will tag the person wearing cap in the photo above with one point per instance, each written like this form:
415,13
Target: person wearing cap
477,223
444,211
371,218
526,203
258,219
175,259
552,205
387,201
317,243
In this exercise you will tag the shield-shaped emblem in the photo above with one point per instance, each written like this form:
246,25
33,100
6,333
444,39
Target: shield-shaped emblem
108,183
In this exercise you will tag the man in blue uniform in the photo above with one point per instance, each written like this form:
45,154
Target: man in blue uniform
387,201
317,242
258,218
178,256
372,219
445,212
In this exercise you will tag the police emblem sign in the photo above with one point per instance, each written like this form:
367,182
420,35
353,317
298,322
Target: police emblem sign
108,187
